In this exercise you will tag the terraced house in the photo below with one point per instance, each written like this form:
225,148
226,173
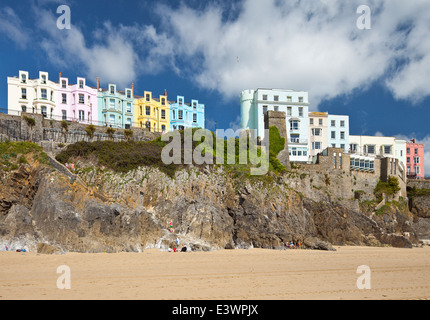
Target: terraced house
115,108
186,115
152,113
77,102
32,95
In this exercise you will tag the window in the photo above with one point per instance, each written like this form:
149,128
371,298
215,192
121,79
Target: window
311,121
140,110
387,149
163,102
276,108
43,78
408,150
44,112
23,93
294,125
81,115
295,138
52,95
195,117
370,148
180,101
265,97
63,84
320,122
112,90
148,111
353,147
264,109
163,127
44,94
300,111
173,115
342,135
112,103
194,105
289,99
316,145
342,146
163,114
416,160
128,107
63,115
417,170
408,160
180,114
81,84
317,132
333,134
81,99
276,98
408,170
416,151
289,111
301,99
23,108
63,98
333,123
128,94
23,78
342,123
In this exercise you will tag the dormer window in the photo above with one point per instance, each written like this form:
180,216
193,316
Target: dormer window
112,89
81,84
64,84
180,101
128,94
43,78
194,105
148,97
163,102
24,78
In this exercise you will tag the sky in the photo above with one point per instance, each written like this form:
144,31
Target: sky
212,50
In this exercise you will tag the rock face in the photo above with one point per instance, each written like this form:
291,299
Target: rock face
41,210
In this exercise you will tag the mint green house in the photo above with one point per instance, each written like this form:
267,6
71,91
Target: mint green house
115,108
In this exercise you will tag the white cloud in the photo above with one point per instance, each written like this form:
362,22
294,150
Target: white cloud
11,26
306,45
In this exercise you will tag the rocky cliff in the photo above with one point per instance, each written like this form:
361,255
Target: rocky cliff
209,208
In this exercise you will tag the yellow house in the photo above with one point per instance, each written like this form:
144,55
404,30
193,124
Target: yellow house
152,113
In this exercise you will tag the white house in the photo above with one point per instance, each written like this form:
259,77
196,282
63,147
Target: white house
255,103
338,131
373,146
32,95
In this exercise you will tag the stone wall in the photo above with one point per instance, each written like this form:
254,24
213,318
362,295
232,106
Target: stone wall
419,184
15,128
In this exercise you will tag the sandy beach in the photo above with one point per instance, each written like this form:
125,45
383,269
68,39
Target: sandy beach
254,274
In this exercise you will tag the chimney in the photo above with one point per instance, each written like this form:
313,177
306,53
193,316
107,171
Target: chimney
98,83
132,88
165,92
59,77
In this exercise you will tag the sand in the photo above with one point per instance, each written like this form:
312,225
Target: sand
254,274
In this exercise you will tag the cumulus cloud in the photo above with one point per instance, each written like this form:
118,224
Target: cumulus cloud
306,45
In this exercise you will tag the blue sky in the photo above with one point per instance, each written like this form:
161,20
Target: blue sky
212,50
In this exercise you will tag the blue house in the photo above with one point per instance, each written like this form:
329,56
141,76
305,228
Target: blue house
186,115
116,108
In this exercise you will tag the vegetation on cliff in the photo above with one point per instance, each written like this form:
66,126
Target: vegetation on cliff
13,154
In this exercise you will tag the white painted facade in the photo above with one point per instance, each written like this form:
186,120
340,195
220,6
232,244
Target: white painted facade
373,146
32,95
255,103
338,131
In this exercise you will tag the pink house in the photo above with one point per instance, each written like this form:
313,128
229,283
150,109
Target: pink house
415,159
77,102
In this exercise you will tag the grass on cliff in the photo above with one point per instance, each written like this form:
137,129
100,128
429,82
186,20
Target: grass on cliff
14,154
130,155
